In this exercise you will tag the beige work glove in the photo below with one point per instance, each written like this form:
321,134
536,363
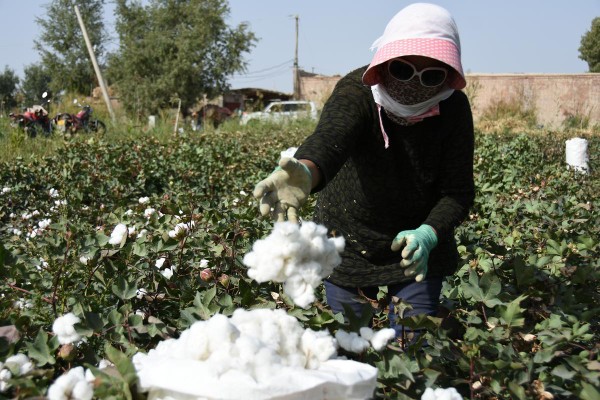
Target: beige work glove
285,190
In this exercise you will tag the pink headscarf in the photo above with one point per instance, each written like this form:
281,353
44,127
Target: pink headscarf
420,29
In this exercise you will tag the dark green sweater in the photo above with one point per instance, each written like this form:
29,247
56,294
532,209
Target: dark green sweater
369,193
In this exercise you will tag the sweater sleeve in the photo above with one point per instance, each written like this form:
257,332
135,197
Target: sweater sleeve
456,177
344,118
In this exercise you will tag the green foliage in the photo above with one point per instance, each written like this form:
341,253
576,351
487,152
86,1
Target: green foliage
175,49
589,50
8,88
36,81
62,46
521,316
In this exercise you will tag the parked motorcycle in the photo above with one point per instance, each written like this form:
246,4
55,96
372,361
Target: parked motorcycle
34,120
81,121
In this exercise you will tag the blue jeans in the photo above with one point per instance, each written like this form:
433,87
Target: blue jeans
424,297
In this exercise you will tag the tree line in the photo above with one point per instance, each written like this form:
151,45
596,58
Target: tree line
166,49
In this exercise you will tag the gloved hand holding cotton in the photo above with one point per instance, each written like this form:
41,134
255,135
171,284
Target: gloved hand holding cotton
297,256
257,354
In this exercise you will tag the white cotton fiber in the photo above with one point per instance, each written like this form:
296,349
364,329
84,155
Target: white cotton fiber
258,354
300,257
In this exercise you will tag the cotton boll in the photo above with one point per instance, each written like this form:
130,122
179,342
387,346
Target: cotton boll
366,333
351,341
71,385
381,338
428,394
118,235
441,394
21,362
63,328
317,347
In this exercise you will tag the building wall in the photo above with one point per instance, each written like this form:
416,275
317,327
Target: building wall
553,97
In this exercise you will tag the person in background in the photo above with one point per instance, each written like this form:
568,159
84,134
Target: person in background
391,159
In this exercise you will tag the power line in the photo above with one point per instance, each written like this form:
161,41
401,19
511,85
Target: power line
260,71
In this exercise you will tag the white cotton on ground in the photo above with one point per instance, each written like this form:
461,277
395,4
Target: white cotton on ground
257,354
297,256
441,394
63,327
71,386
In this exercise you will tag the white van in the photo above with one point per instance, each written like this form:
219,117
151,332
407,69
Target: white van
281,111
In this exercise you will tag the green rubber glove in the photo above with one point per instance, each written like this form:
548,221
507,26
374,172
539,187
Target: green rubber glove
285,190
415,245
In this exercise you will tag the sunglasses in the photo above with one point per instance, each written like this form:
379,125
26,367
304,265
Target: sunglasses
404,71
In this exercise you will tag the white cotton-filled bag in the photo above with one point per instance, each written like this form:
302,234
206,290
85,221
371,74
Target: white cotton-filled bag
577,154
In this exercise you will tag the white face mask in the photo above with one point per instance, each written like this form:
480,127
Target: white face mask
391,105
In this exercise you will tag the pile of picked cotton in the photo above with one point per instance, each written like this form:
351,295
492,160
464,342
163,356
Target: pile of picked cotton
257,354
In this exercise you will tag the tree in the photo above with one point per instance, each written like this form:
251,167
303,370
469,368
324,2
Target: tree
589,51
36,81
175,49
8,88
62,46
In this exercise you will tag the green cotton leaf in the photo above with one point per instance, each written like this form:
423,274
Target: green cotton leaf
512,313
563,372
431,376
396,367
517,390
247,295
140,249
209,295
40,351
483,290
101,239
588,392
225,301
123,289
524,272
553,247
217,249
93,321
124,366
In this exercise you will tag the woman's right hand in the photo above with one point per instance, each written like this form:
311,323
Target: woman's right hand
284,191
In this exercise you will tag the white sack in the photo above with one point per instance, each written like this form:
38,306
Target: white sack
168,378
577,154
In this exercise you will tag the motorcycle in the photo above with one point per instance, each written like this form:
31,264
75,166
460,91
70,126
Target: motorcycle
34,120
81,121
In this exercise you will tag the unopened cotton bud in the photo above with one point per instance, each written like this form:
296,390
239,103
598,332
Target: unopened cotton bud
224,280
206,275
66,352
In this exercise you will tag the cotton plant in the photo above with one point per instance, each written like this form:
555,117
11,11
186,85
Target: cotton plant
181,230
72,385
260,354
300,257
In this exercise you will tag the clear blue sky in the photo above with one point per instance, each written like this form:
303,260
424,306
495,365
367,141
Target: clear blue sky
509,36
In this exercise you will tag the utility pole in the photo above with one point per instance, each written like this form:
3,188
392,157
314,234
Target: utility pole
296,72
95,64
